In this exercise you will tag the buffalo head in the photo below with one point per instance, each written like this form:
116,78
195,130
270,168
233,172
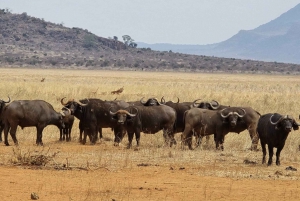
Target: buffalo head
2,103
286,123
162,100
150,102
122,115
231,115
213,105
72,104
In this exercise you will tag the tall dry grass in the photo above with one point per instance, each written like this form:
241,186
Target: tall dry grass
265,93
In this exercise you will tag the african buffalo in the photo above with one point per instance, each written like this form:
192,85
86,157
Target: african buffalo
2,105
149,102
94,115
28,113
148,120
273,129
231,119
181,108
65,133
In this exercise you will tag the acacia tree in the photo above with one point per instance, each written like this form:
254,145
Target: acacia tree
128,41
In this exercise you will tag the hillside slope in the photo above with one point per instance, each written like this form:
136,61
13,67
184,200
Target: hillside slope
277,40
27,41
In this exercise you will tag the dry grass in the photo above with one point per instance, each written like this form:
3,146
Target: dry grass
265,93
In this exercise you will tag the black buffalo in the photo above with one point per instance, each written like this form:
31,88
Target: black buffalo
2,105
28,113
65,133
273,130
231,119
94,115
148,120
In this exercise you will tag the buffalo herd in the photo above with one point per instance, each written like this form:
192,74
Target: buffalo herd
194,119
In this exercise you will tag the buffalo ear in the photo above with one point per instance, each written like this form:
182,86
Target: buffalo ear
295,126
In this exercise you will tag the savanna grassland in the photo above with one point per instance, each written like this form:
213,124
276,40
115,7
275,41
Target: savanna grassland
71,171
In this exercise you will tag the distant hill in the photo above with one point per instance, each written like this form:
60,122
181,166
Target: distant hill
27,41
277,40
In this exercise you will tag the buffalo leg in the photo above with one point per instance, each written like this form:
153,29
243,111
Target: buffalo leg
255,138
137,137
1,129
6,129
80,131
278,155
12,132
60,134
219,141
39,136
270,154
263,147
100,133
186,137
130,138
85,133
69,134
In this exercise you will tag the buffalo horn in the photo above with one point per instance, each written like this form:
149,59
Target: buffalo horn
68,110
280,119
214,107
240,115
82,104
132,115
158,101
112,113
196,104
62,101
143,102
177,100
8,100
225,116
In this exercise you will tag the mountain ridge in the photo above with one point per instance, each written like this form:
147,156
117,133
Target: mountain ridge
275,41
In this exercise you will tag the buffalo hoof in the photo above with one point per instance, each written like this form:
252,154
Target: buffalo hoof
6,144
116,144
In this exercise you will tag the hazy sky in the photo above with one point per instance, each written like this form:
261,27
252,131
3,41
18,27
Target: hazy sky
157,21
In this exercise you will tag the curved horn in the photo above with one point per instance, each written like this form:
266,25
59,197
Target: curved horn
62,113
143,102
162,100
240,115
214,107
196,104
135,110
275,123
177,100
68,110
82,104
8,100
62,101
225,116
112,113
158,101
128,113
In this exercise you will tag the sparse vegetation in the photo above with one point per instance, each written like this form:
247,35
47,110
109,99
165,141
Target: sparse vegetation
23,36
106,172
